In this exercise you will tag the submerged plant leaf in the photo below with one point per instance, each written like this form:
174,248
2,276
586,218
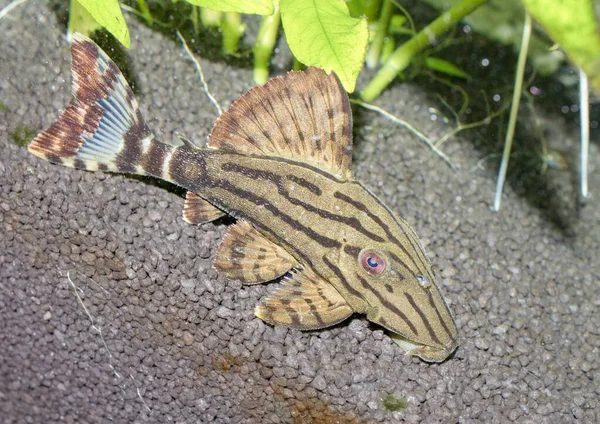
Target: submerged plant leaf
21,134
322,33
254,7
394,403
80,20
572,24
448,68
502,21
398,25
108,14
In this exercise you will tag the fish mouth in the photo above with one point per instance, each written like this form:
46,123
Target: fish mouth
425,352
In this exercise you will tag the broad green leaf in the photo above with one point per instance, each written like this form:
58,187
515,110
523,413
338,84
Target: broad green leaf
108,14
322,33
572,24
254,7
80,20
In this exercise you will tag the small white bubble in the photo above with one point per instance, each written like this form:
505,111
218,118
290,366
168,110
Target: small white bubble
564,109
535,90
485,62
574,108
496,97
594,124
433,117
467,29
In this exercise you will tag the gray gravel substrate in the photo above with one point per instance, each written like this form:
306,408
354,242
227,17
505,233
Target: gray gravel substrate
164,338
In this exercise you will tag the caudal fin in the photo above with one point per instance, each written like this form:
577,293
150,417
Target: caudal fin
102,128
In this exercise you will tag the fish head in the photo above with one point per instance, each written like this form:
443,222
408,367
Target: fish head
396,282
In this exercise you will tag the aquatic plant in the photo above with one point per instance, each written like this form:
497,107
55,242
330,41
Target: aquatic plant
21,134
346,35
394,403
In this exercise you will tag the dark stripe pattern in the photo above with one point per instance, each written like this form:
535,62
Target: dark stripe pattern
317,219
310,209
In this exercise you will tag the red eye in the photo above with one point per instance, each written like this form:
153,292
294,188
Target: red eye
372,262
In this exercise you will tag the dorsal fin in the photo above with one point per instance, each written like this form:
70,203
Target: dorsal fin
304,116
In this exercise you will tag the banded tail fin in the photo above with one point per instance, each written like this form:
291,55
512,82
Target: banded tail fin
102,128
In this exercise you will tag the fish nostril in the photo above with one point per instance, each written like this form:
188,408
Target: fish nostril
424,281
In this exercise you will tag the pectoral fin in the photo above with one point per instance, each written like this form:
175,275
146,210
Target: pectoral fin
304,302
198,211
246,255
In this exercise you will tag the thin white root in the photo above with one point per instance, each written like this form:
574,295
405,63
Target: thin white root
199,69
4,12
409,127
584,110
514,110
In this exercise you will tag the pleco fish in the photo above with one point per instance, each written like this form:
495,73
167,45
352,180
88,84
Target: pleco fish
279,162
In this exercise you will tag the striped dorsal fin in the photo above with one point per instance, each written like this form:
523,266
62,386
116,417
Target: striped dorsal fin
303,116
246,255
304,302
196,210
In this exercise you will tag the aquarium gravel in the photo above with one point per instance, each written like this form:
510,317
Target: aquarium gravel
110,310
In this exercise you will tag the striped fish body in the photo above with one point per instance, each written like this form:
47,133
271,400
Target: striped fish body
279,162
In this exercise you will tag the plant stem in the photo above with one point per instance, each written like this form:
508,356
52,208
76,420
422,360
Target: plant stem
514,110
584,110
297,65
210,17
265,42
354,7
370,8
400,59
196,18
233,29
380,33
145,11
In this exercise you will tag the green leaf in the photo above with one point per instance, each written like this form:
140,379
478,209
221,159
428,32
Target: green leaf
448,68
502,21
398,25
254,7
108,14
572,24
80,20
322,33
